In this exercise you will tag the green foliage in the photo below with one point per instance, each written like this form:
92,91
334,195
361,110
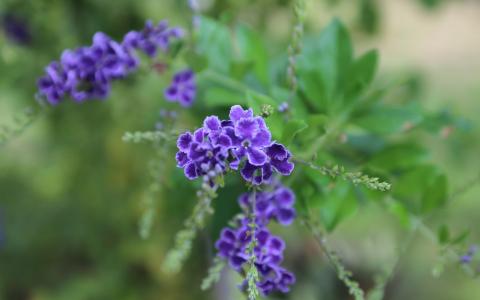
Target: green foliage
184,238
214,273
20,123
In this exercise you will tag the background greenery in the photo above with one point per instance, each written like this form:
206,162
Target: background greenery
71,191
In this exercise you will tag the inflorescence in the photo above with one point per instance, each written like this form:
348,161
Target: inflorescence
87,72
233,244
243,142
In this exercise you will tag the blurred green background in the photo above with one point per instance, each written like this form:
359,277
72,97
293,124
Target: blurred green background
71,190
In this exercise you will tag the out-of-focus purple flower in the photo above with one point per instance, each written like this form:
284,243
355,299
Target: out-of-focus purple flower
16,29
276,204
87,72
233,246
468,257
152,37
242,142
183,88
283,107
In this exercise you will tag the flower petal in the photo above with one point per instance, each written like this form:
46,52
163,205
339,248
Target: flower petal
237,112
247,171
277,151
191,171
283,167
285,216
246,128
256,157
212,123
184,141
262,138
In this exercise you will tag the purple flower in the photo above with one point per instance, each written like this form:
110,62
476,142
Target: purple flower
271,205
183,88
152,37
198,155
283,107
278,159
87,72
233,246
16,29
468,257
242,142
253,141
275,204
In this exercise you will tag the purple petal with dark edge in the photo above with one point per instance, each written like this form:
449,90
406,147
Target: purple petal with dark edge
182,159
267,172
212,123
184,141
277,151
256,157
199,135
191,171
283,167
247,171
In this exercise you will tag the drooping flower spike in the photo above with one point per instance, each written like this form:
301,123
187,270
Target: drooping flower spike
274,205
87,72
243,142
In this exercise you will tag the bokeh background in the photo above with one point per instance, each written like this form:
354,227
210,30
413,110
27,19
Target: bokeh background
71,190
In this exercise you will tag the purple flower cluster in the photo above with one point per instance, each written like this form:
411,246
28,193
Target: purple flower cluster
182,89
233,243
87,72
275,205
241,142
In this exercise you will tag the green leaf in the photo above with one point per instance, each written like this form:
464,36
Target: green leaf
291,129
399,210
215,96
338,203
324,67
386,120
251,48
460,238
443,234
362,72
196,61
239,68
436,194
214,42
398,157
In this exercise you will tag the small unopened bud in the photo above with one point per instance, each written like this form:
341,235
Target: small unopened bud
267,110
